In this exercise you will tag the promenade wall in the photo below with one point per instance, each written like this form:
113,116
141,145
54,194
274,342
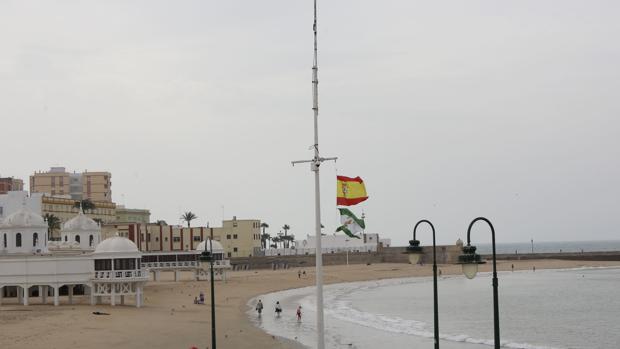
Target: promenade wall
445,255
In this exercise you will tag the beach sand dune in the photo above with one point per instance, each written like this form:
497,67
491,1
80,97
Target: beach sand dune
171,320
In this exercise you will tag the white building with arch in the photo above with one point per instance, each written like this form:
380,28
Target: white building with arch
82,230
31,266
221,264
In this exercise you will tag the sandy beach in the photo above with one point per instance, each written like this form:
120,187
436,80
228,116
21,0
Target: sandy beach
171,320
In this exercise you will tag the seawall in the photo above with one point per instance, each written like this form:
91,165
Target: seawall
445,255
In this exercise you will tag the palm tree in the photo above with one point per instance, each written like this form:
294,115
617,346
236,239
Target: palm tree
85,204
276,240
286,227
264,237
53,224
288,239
188,216
161,222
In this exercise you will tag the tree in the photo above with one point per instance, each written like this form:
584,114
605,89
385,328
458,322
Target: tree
276,240
286,227
53,223
98,220
161,222
86,205
188,216
264,237
288,239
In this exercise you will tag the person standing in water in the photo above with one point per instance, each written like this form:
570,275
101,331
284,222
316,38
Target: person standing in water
278,309
299,313
259,307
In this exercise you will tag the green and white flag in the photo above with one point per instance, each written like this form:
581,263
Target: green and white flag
351,225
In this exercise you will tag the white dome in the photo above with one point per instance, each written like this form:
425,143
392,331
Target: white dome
23,218
217,247
116,244
81,222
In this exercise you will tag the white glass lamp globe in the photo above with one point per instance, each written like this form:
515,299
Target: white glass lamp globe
470,270
414,258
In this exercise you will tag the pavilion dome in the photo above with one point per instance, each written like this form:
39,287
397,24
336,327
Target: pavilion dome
116,244
23,218
217,247
81,222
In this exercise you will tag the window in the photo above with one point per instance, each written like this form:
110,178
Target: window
124,264
65,238
234,224
18,240
91,240
35,239
156,239
234,236
229,254
228,237
166,239
234,249
196,238
176,238
77,239
4,240
103,264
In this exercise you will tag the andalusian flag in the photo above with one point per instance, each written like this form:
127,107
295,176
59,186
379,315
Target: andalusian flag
350,191
351,225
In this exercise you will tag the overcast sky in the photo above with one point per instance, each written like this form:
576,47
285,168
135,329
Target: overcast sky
448,110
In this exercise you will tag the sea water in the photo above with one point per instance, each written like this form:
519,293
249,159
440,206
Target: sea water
546,309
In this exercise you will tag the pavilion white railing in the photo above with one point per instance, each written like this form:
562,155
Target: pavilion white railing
120,274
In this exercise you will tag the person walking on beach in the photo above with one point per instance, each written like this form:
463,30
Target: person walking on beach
278,309
259,307
299,313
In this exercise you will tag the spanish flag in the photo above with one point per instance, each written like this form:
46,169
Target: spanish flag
350,191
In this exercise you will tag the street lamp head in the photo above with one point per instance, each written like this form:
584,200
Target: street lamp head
414,251
469,261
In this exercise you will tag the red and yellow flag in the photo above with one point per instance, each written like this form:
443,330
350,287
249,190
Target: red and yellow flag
350,191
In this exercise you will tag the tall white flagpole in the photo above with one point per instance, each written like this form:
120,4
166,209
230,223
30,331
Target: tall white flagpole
315,163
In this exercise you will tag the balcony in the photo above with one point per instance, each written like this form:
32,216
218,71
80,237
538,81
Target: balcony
121,275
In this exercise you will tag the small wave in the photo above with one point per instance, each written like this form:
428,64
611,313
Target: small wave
344,310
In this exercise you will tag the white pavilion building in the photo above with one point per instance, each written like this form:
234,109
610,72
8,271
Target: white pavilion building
221,264
32,266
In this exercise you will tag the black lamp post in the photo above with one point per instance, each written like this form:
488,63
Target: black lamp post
470,260
207,256
415,251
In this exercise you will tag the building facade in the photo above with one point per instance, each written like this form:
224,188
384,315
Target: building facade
132,215
8,184
331,244
65,209
239,238
95,186
31,267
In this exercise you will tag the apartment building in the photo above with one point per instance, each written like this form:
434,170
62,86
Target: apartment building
8,184
65,209
240,238
95,186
